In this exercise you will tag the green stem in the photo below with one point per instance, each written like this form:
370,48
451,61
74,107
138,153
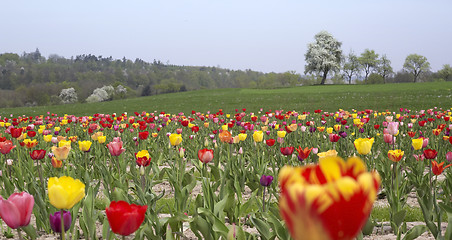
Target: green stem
143,183
19,234
62,225
263,200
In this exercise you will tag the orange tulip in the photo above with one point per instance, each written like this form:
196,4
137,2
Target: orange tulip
225,136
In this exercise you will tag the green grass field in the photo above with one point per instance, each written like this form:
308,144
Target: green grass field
306,98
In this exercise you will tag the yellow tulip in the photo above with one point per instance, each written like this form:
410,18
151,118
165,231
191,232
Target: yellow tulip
48,138
329,130
281,134
96,135
329,153
242,136
417,143
364,145
206,124
337,127
101,139
143,153
57,129
64,143
224,127
84,145
175,139
258,136
65,192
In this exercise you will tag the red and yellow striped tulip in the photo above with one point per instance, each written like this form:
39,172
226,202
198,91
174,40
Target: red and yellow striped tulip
329,200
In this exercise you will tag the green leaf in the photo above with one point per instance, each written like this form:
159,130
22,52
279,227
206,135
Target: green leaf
169,233
399,217
448,210
415,232
262,227
219,206
369,227
30,231
201,225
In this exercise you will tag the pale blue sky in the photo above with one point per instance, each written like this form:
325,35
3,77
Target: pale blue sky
268,36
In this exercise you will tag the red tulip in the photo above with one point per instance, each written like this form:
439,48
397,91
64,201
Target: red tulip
430,153
205,155
125,218
437,169
16,211
143,135
270,142
38,154
334,137
31,133
16,132
115,148
286,151
303,153
6,146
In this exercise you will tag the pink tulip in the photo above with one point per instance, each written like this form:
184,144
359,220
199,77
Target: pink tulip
388,138
393,128
425,143
16,211
115,148
449,156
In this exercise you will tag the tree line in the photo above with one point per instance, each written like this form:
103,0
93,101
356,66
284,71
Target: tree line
30,79
324,57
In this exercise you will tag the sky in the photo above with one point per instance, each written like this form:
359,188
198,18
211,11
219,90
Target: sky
266,36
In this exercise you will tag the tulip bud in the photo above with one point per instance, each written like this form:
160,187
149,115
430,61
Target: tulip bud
141,170
55,221
266,180
449,156
9,162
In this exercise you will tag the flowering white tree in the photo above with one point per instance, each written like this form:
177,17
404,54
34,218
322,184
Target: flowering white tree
101,94
68,95
324,55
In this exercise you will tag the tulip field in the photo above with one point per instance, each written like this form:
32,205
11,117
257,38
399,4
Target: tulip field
225,174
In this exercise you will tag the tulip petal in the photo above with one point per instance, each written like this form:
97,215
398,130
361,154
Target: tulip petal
10,213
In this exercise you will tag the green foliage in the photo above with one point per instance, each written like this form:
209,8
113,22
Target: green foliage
369,62
416,65
306,98
35,80
374,79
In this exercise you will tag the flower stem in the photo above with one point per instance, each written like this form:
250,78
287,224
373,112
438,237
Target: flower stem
19,234
62,225
263,200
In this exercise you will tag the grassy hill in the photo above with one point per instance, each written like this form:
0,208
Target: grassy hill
306,98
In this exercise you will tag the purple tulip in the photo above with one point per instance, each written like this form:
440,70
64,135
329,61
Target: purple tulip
55,221
266,180
343,134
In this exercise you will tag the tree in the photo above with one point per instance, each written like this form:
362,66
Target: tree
68,95
324,55
416,64
446,72
351,66
384,67
369,61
